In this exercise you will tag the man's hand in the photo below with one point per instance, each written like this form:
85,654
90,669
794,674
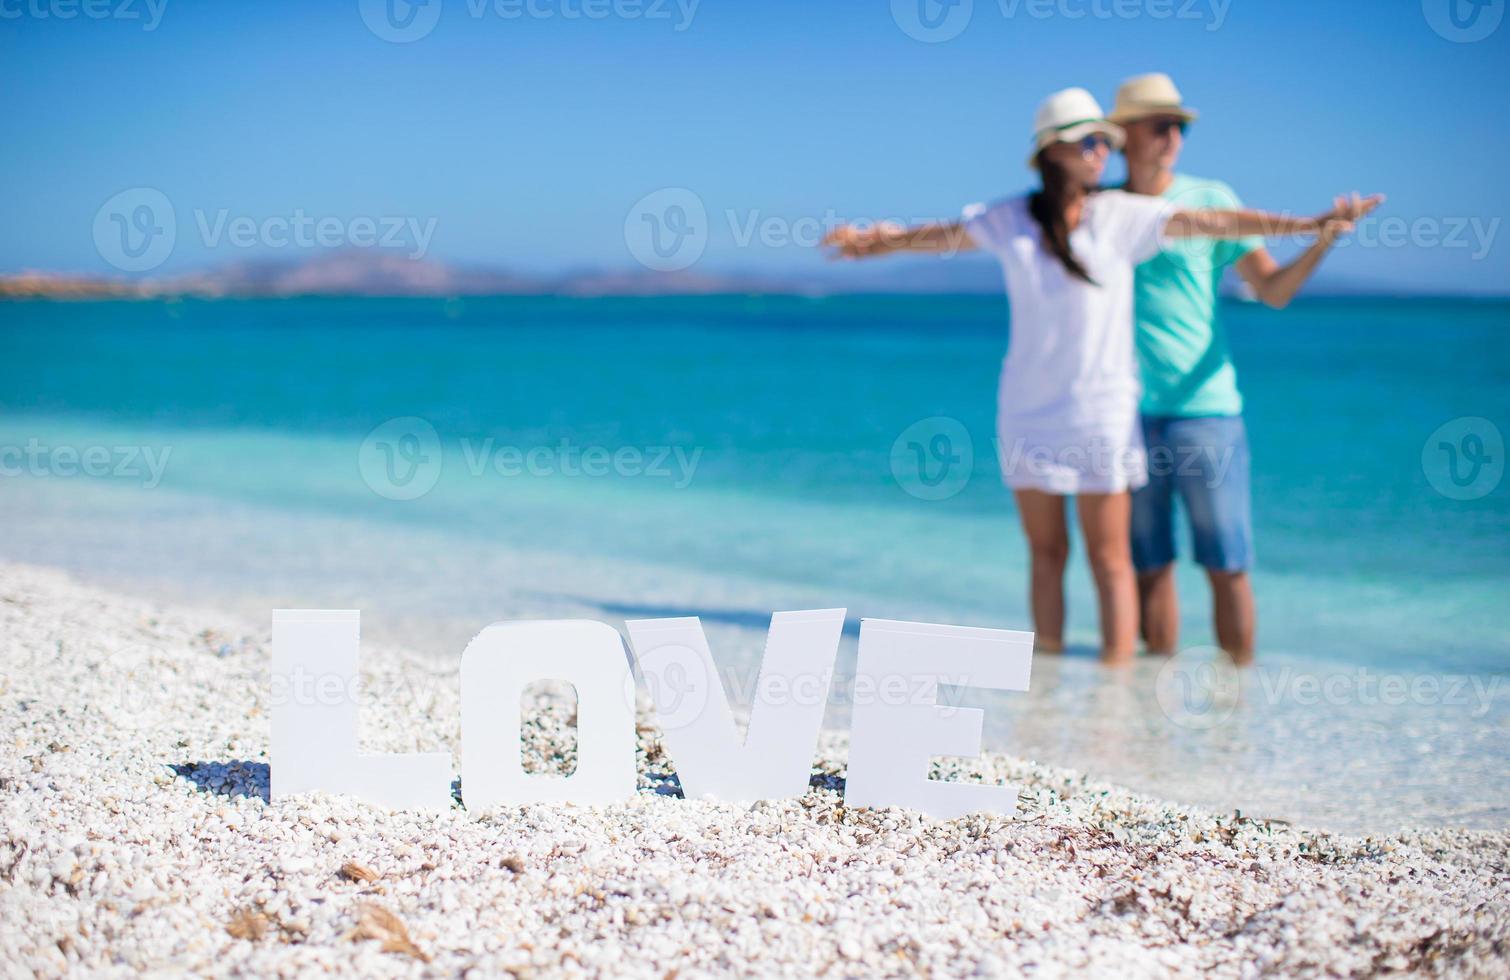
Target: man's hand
1347,210
1276,286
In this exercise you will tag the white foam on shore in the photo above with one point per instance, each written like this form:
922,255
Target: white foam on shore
137,836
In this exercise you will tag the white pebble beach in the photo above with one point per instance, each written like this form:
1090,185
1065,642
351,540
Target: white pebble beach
138,838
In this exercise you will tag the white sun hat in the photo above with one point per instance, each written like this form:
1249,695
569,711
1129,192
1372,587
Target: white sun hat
1153,94
1069,116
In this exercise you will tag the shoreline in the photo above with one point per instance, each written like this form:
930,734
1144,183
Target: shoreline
24,287
138,836
1345,766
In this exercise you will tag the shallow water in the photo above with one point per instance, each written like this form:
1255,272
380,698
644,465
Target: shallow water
750,465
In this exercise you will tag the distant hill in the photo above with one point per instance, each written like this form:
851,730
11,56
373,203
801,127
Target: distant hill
379,272
373,272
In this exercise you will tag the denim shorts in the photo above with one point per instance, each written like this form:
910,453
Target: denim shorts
1204,462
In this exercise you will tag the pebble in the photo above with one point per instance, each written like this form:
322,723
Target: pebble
136,849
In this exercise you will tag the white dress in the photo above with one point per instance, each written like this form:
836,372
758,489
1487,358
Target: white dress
1067,407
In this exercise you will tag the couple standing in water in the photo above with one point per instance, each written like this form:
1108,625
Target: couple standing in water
1117,388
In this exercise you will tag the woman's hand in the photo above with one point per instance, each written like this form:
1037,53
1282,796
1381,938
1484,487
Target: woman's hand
885,237
857,242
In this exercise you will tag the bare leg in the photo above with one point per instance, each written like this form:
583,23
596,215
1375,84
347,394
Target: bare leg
1104,520
1234,613
1159,603
1048,535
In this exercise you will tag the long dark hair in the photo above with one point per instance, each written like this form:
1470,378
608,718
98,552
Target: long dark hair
1047,208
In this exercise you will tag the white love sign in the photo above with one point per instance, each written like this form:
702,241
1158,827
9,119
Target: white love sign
694,714
314,744
891,743
506,658
897,727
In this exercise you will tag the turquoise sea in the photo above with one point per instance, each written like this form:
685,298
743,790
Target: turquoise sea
442,464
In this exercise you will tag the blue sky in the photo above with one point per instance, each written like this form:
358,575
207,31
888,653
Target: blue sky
524,133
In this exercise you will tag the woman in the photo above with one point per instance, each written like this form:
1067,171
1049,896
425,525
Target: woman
1067,417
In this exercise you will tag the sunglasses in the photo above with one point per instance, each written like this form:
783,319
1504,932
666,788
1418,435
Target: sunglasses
1094,142
1163,127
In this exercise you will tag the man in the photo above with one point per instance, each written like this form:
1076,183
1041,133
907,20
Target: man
1192,410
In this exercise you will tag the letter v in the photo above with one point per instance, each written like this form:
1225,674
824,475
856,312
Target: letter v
693,710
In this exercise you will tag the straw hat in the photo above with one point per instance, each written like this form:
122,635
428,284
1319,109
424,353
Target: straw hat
1149,95
1069,116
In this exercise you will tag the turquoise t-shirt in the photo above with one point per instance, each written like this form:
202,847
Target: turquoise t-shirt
1182,350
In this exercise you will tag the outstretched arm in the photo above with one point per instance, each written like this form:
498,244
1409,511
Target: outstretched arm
885,238
1242,224
1276,285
